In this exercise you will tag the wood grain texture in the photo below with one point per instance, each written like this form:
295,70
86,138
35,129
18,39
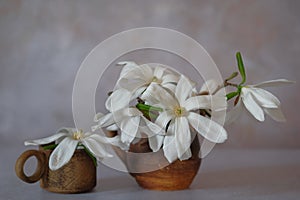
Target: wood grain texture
176,176
179,175
77,176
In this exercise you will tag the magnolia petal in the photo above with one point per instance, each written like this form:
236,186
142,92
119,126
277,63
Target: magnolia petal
186,155
138,92
154,128
209,129
155,94
209,86
120,99
116,141
158,72
264,98
128,66
98,116
273,83
183,89
62,154
182,135
147,72
169,86
276,114
155,142
135,72
170,78
108,104
106,120
252,105
129,128
113,127
234,113
96,127
98,138
131,84
164,118
205,102
169,148
46,140
95,147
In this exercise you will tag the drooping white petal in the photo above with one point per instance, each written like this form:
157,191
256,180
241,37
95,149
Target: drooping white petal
169,146
182,135
46,140
62,154
273,83
264,98
275,113
129,128
205,102
209,129
186,155
158,72
155,142
252,106
234,113
155,94
95,147
209,86
183,89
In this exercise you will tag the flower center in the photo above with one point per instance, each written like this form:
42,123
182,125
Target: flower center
78,135
179,111
156,80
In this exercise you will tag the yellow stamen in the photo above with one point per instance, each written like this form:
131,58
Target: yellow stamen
77,135
156,80
179,111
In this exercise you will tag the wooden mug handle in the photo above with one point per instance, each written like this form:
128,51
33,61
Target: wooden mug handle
19,167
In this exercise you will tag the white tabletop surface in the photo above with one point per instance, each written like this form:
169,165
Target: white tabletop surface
224,174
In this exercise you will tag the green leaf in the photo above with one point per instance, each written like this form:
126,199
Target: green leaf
241,67
231,95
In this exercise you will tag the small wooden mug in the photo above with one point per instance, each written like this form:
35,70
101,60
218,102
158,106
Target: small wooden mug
78,175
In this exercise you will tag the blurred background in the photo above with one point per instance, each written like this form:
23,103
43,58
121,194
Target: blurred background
42,44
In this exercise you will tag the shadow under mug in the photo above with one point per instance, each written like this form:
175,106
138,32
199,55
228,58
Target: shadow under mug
78,175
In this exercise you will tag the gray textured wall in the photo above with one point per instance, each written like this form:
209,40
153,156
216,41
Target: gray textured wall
42,44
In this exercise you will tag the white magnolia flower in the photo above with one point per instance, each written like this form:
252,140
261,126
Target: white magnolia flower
179,110
257,101
129,120
135,77
69,139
